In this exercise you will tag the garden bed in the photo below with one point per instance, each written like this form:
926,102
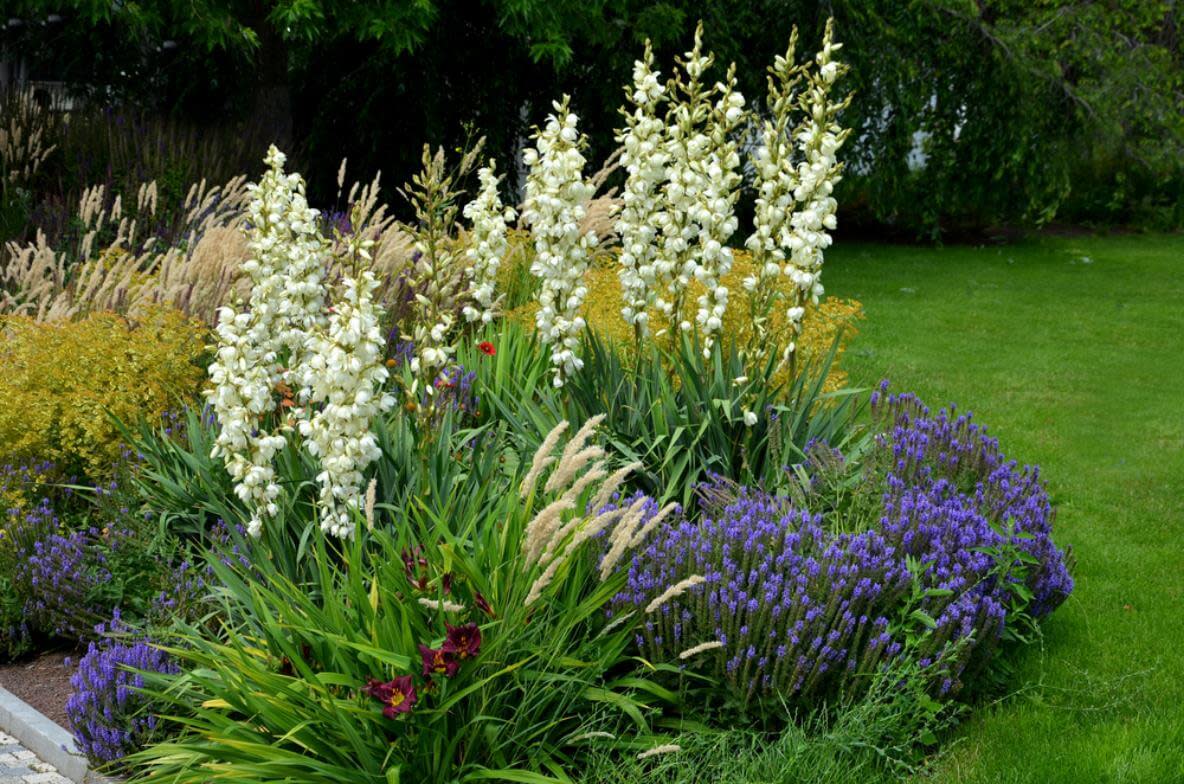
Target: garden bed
43,683
468,502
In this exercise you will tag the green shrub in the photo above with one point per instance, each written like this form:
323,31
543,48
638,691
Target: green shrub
63,382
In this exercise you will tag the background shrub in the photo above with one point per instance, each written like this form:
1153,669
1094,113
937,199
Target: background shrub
970,115
63,384
828,326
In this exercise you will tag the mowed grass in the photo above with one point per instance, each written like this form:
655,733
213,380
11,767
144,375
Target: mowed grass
1072,351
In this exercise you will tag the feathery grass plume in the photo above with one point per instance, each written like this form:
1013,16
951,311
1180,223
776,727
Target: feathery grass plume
621,536
441,605
594,735
601,214
593,474
592,529
540,528
542,581
653,523
613,484
547,535
372,488
542,458
581,437
584,530
700,648
24,138
668,748
675,590
587,530
113,268
570,467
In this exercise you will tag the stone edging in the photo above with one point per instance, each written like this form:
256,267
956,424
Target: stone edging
49,741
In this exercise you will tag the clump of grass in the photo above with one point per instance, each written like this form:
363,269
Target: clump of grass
882,737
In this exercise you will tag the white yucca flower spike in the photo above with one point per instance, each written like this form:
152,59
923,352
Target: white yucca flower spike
795,209
699,194
487,246
717,208
348,378
643,156
556,203
286,307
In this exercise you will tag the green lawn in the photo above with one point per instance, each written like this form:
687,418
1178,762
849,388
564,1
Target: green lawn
1072,351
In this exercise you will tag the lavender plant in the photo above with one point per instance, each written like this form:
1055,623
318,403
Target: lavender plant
109,714
957,558
55,571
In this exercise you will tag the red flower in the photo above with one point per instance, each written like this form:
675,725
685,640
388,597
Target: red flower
397,696
412,563
483,604
463,641
438,660
485,347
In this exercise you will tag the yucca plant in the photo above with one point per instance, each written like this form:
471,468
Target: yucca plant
685,417
187,491
447,642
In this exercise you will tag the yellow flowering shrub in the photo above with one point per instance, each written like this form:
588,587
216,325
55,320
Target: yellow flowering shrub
61,382
602,311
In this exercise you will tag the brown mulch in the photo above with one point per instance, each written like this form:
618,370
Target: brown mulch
43,682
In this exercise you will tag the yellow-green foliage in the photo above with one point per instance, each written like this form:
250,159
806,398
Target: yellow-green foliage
602,311
61,382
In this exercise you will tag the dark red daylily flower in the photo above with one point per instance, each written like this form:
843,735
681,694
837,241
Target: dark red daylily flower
439,661
485,347
463,641
483,604
446,583
397,696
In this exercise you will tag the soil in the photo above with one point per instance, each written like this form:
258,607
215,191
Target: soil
43,682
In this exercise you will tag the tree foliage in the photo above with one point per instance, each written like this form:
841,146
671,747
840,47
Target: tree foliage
968,113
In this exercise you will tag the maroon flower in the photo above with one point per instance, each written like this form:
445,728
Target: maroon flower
413,562
446,583
397,696
438,660
463,641
485,347
483,604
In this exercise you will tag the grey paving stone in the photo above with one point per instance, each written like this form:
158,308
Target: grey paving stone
18,765
47,778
